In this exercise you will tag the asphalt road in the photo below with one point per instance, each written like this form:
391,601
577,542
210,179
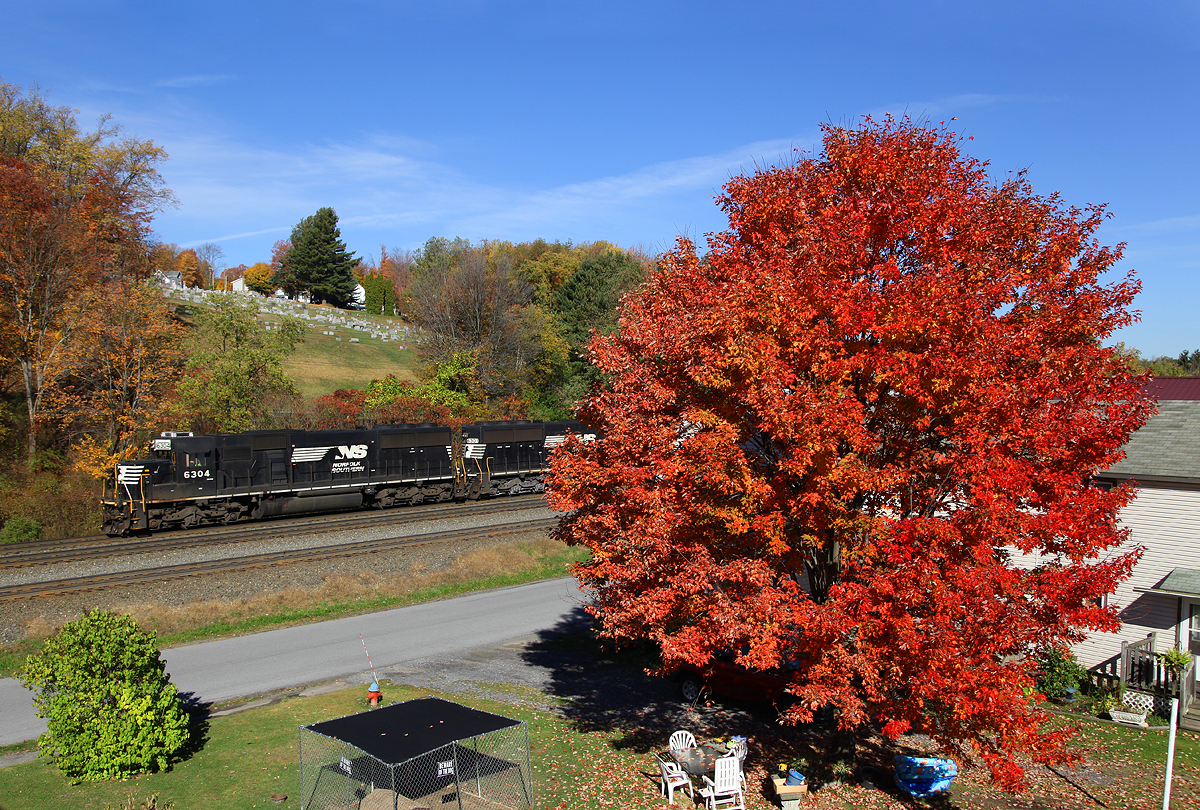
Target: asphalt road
423,640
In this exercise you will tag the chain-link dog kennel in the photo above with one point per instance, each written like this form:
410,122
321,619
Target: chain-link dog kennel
424,753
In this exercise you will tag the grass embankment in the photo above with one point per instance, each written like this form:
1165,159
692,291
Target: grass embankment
249,757
323,363
492,567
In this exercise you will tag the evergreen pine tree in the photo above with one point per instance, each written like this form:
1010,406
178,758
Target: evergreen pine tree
590,296
381,296
320,261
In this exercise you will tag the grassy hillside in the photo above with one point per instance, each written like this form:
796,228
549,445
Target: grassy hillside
327,359
324,363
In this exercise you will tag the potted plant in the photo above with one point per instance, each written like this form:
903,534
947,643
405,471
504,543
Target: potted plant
1174,661
1133,708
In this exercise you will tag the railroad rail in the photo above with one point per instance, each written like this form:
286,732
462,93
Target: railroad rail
81,549
285,557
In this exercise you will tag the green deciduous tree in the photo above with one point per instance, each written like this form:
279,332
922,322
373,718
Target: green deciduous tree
50,138
235,366
319,261
110,708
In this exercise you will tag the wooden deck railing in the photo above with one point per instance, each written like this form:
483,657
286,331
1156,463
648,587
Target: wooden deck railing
1139,666
1141,670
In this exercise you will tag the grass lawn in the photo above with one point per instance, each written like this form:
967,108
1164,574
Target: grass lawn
251,756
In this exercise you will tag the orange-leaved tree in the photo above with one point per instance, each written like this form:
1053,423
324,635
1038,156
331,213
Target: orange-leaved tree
56,246
857,436
119,375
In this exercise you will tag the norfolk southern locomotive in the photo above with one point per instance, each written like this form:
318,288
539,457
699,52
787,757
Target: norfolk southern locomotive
194,480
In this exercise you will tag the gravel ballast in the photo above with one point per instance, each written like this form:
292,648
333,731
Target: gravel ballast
16,617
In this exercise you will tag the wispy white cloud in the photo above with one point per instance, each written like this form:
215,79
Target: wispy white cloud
387,182
195,80
231,236
605,196
1162,226
950,105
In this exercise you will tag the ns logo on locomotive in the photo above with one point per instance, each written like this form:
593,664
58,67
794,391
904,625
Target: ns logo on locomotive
193,480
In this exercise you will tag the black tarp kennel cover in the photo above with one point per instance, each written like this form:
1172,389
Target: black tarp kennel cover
426,753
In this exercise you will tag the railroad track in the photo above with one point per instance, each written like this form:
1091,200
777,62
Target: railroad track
127,578
81,549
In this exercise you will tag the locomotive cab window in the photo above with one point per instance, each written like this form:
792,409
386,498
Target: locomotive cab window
196,461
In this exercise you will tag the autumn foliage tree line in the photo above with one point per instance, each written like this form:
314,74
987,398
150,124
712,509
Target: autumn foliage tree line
94,358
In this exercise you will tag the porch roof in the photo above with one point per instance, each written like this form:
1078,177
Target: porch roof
1180,582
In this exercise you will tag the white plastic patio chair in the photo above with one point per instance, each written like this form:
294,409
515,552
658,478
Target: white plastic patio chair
682,740
672,776
725,792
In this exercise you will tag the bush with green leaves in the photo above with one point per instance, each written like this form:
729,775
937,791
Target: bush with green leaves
1058,672
1107,697
20,530
110,707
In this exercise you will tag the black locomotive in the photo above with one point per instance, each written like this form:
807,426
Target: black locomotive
194,480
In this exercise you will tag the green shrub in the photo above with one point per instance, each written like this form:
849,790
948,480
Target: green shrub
110,707
20,530
1058,672
1107,697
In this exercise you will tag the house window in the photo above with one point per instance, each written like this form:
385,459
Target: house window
1194,630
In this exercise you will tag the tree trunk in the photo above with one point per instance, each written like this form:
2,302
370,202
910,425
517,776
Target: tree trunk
824,570
31,409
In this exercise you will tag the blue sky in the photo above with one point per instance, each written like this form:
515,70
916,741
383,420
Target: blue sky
621,121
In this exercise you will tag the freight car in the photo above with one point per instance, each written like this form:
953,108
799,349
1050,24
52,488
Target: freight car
195,480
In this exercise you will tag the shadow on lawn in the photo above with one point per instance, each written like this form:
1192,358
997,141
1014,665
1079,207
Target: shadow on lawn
605,688
198,725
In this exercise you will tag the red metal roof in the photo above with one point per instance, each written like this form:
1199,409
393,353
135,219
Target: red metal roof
1174,388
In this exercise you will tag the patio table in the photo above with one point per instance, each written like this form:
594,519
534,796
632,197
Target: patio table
700,760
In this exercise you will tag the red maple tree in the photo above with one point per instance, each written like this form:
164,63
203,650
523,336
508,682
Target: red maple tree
857,435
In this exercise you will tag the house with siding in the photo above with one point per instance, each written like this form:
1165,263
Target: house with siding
1159,604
